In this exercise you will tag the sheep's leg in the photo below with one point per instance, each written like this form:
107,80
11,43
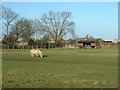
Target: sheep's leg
35,55
32,55
40,55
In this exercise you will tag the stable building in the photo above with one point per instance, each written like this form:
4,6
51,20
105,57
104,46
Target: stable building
21,43
88,44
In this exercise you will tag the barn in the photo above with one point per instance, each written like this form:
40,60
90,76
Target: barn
21,43
88,44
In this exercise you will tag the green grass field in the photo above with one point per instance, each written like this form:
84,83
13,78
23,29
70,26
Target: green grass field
61,68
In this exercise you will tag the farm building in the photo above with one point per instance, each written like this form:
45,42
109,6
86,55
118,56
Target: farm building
109,43
88,43
21,43
70,43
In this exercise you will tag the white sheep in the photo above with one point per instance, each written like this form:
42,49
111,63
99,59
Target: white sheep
40,54
36,53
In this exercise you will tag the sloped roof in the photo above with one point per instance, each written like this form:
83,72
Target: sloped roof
87,41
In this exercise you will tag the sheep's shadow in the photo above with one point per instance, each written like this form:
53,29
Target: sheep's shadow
45,56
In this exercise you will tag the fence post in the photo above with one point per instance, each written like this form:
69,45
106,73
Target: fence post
52,46
36,46
8,46
13,46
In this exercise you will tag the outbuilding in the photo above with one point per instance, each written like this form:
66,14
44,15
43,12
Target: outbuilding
87,43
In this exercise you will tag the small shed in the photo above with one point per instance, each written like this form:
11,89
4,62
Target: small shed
87,44
21,43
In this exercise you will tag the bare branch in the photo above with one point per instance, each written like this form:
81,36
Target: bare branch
9,16
57,24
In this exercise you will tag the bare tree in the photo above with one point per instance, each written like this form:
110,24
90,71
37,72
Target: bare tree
89,37
16,29
28,29
23,28
9,16
57,24
39,31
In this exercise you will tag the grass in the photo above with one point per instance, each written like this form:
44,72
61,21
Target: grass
61,68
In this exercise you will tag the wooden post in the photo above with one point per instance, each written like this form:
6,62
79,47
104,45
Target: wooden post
8,46
13,46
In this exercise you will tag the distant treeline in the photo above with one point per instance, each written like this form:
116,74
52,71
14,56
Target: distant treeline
53,25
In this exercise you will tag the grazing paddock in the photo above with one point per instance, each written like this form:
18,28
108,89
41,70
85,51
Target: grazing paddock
61,68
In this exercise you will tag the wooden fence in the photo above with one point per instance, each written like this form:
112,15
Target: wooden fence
32,46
